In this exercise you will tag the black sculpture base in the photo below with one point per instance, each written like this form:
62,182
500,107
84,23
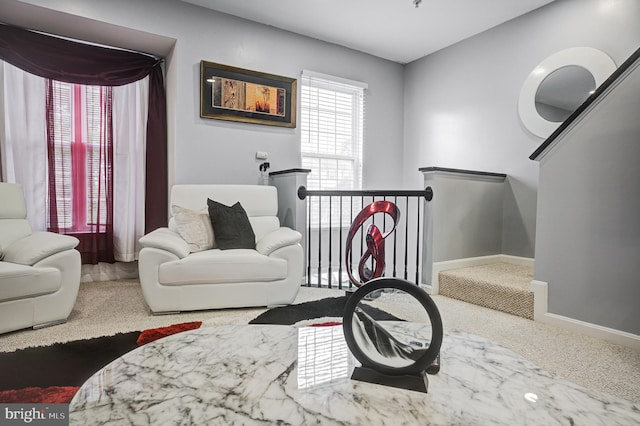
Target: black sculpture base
371,296
413,382
349,291
434,367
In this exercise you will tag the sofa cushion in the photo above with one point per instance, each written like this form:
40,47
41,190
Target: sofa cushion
277,239
35,247
165,239
13,205
20,281
231,226
12,230
222,266
194,227
259,201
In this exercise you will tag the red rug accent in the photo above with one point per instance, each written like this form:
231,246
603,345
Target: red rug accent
50,395
152,334
326,324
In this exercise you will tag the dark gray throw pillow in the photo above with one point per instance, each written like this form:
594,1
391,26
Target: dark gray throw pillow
231,226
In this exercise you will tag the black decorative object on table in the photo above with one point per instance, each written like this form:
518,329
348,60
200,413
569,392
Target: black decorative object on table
393,353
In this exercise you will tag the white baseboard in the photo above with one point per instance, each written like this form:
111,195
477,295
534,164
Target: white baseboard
540,301
438,267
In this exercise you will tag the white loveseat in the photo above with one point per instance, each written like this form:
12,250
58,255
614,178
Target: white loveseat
39,272
174,278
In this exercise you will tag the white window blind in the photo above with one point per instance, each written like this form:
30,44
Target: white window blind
63,136
332,126
97,174
79,131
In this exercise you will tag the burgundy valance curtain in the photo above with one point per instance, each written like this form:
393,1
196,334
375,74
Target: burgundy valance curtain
72,62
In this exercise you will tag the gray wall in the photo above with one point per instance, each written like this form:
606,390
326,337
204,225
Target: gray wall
461,102
588,234
205,150
464,218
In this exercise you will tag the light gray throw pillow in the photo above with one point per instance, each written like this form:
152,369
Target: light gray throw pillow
194,227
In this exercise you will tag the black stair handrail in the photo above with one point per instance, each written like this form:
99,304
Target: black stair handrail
427,193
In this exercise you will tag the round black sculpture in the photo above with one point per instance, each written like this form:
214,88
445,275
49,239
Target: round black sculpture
385,358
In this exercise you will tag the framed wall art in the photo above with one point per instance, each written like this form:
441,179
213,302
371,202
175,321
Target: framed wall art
236,94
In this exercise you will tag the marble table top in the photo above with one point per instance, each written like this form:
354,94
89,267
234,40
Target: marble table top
268,374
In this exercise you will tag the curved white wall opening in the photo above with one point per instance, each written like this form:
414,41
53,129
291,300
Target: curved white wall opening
598,63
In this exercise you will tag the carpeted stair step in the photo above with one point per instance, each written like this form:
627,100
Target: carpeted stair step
500,286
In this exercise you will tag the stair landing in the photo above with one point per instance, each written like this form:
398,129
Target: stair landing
499,286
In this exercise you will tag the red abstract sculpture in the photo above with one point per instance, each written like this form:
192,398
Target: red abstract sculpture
374,239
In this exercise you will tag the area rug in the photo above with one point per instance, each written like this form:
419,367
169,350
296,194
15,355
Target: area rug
330,308
37,395
53,374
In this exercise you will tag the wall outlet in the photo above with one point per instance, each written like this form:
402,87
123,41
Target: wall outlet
261,155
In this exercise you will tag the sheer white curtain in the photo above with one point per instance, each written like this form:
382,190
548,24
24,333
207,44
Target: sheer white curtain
25,152
130,131
25,142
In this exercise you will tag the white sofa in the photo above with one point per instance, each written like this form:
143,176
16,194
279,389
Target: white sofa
174,278
39,272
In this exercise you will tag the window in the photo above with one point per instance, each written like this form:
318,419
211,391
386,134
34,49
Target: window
332,123
41,144
79,124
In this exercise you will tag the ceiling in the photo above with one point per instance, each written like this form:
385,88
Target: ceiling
396,30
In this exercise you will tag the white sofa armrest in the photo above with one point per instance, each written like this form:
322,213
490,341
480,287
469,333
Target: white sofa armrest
165,239
37,246
279,238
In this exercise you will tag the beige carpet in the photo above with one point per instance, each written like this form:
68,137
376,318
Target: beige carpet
106,308
500,286
109,307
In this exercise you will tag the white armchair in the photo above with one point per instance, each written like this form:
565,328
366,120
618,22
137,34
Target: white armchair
178,275
39,272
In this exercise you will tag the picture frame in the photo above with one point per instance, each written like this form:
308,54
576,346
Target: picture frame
237,94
